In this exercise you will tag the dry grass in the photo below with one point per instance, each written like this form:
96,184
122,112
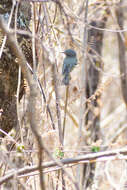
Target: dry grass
56,26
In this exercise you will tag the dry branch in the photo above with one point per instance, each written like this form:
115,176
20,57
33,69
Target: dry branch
117,154
32,104
33,90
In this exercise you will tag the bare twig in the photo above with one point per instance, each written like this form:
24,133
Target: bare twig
83,86
33,40
33,91
9,22
65,110
57,105
44,97
118,154
83,70
33,94
19,75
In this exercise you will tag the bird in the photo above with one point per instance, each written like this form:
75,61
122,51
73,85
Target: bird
70,61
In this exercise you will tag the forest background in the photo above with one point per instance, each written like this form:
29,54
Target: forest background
54,136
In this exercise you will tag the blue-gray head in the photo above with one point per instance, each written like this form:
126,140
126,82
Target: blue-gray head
70,52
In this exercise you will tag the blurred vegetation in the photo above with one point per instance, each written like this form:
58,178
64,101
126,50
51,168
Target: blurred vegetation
86,117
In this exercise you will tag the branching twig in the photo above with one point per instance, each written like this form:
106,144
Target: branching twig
33,94
9,22
119,154
44,97
33,91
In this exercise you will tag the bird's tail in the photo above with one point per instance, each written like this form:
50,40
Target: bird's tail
66,79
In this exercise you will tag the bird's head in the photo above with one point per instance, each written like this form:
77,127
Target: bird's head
70,52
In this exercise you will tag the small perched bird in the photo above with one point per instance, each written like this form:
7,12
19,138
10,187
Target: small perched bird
70,61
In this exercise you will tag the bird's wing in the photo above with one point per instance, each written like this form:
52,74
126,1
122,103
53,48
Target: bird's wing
73,62
66,79
76,61
68,65
65,68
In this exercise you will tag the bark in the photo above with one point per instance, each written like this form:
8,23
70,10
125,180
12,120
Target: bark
122,53
92,120
9,68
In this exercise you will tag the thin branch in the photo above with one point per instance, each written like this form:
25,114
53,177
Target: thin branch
83,70
20,56
57,105
118,154
19,76
33,92
79,172
33,40
8,25
65,111
32,104
44,97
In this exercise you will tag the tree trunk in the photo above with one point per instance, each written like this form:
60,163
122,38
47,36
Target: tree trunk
94,64
9,68
122,53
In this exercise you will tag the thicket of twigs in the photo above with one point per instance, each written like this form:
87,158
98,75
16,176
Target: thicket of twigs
55,136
